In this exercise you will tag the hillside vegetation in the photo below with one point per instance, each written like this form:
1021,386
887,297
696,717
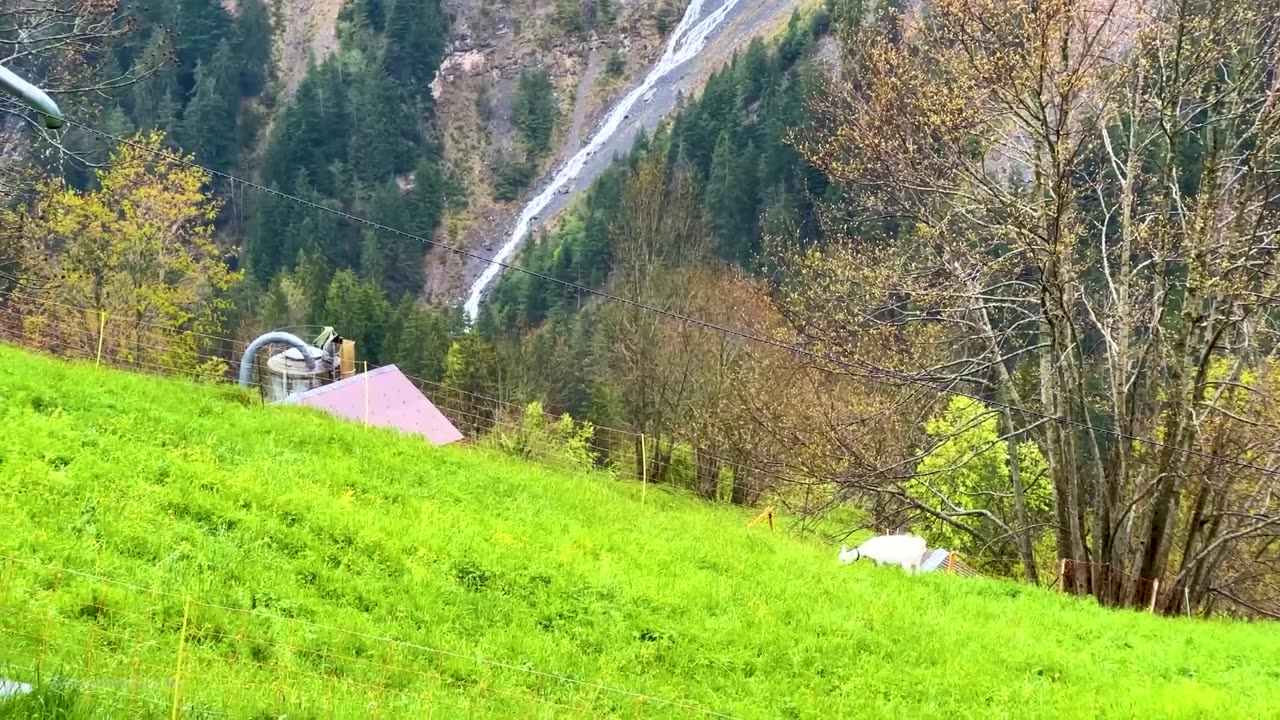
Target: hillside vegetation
302,542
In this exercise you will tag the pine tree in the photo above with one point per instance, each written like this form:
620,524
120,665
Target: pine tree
422,343
312,275
152,102
607,12
254,28
261,251
358,310
716,112
377,148
427,199
333,107
752,72
569,16
471,373
794,41
534,111
305,135
722,198
415,37
371,260
374,12
401,256
202,26
209,122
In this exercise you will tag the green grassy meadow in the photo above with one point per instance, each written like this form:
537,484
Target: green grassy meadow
269,561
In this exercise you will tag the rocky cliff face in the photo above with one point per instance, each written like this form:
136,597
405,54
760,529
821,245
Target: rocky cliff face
491,43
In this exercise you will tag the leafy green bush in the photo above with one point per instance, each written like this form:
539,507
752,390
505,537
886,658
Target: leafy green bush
534,112
616,63
970,467
561,441
511,177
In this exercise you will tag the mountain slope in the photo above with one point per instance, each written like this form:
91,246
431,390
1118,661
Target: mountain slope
302,541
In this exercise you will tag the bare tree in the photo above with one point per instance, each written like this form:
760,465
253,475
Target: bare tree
61,45
658,234
1091,193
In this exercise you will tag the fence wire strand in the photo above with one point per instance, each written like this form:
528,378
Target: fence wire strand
223,631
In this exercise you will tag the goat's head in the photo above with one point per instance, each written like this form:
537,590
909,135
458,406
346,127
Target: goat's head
847,555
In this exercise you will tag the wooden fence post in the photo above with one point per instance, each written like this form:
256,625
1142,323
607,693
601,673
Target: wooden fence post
1062,575
102,331
1155,593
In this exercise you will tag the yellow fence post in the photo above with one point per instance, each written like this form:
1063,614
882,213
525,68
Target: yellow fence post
766,514
644,467
177,671
102,331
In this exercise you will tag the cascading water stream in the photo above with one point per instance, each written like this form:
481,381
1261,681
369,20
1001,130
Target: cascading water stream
687,40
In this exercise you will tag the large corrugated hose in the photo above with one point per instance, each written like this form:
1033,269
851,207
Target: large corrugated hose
246,360
33,96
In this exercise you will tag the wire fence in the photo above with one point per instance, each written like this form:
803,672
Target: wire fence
1079,575
82,334
146,652
552,440
546,439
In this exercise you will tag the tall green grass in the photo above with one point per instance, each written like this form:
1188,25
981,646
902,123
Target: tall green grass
318,569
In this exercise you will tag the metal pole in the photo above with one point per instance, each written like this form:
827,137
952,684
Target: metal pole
33,96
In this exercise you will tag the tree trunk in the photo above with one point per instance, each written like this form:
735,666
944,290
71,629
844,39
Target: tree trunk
1055,457
707,473
1022,532
660,461
741,493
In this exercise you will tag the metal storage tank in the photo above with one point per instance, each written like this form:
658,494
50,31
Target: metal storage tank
287,372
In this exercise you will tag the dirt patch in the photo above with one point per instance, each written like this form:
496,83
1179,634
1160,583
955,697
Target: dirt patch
579,114
304,29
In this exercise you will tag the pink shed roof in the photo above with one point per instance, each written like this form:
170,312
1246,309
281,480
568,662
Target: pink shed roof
394,402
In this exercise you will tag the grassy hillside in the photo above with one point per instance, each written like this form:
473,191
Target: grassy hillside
509,591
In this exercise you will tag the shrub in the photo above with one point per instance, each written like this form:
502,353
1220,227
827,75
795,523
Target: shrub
561,440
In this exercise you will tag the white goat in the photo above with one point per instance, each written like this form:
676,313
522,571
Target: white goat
904,550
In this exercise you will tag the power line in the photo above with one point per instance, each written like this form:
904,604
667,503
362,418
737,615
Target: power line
749,337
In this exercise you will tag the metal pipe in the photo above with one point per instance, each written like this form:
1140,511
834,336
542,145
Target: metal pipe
33,96
246,360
